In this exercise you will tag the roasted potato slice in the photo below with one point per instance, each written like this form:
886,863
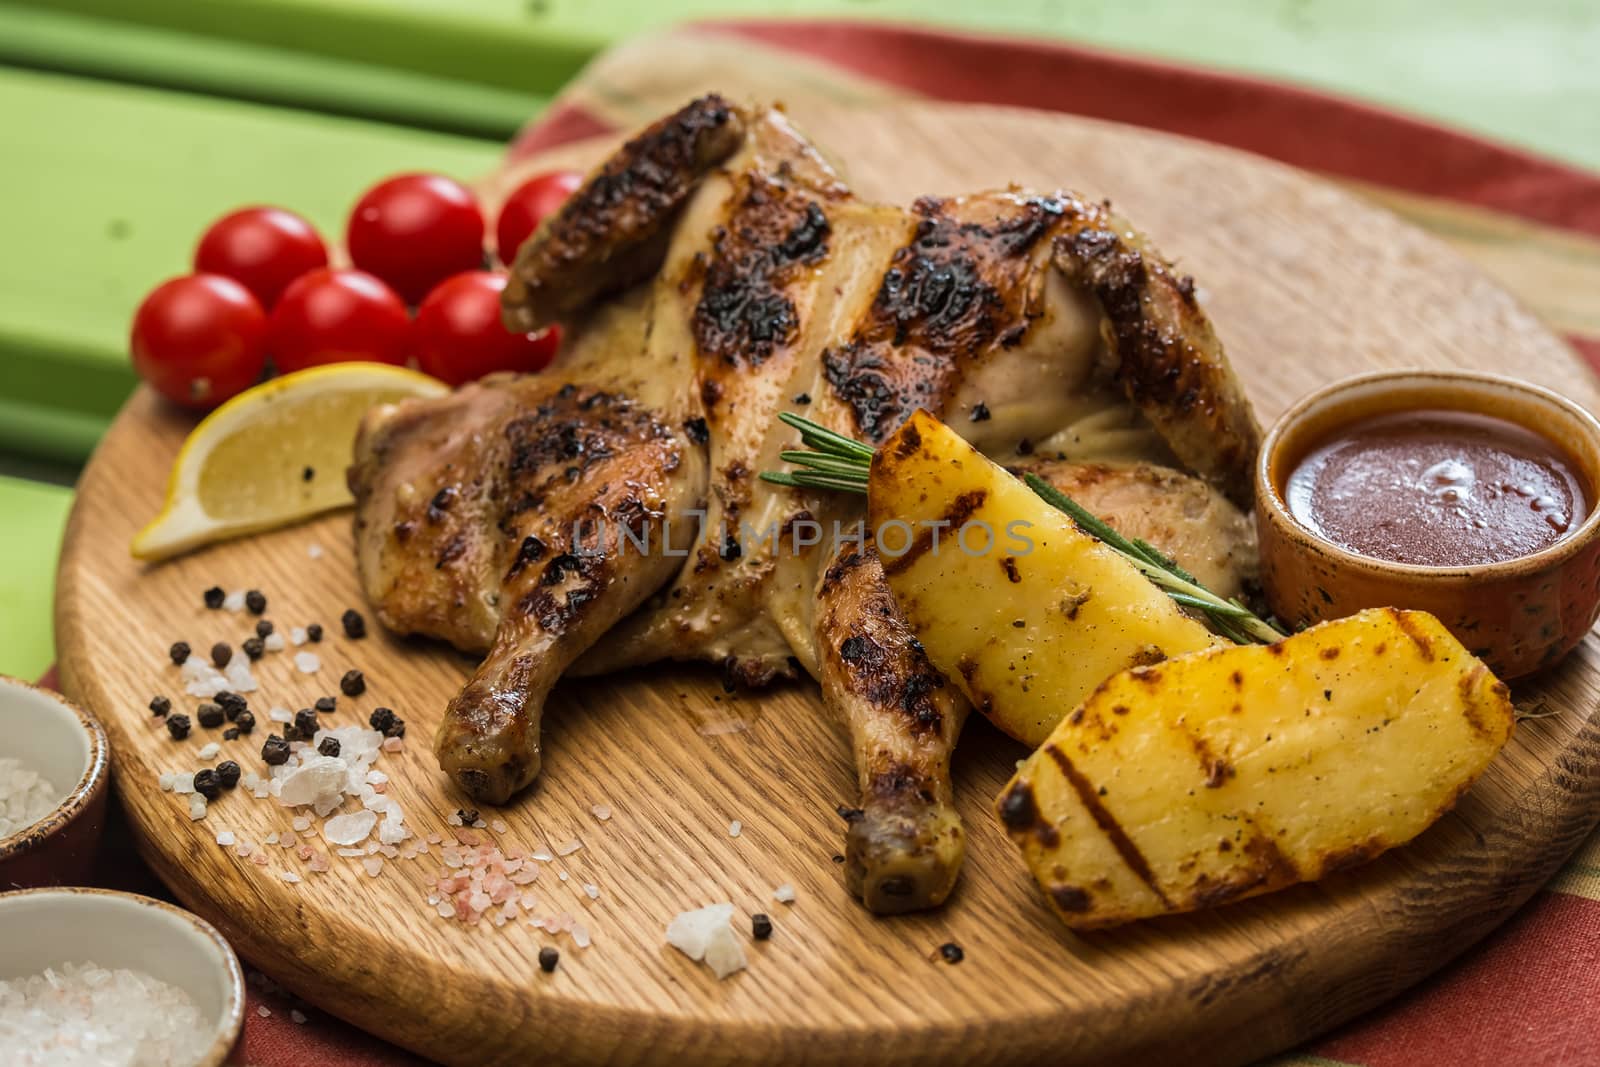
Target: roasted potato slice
1244,769
1024,612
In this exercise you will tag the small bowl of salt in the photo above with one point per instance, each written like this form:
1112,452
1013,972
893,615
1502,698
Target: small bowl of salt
53,778
95,977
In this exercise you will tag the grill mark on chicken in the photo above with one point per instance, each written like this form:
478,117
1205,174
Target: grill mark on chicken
606,236
743,313
953,292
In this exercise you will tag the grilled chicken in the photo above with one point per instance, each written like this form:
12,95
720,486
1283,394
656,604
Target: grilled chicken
714,272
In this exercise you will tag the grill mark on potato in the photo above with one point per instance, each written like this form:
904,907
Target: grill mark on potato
1408,626
1468,685
1267,868
1071,898
1131,856
955,517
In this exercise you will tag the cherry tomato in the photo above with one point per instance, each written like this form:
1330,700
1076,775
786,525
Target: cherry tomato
261,248
414,231
528,205
199,339
458,335
337,316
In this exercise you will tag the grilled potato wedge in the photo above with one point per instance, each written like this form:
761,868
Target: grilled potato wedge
1244,769
1020,609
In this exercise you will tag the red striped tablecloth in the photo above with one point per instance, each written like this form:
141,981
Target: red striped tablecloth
1530,994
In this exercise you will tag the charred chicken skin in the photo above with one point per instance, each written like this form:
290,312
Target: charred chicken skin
712,273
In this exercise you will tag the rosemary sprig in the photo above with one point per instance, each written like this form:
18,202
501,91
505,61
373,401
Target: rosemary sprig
834,462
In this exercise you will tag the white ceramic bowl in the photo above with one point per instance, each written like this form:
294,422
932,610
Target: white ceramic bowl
42,928
67,746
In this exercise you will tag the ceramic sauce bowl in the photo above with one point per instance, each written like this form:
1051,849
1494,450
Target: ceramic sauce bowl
1519,614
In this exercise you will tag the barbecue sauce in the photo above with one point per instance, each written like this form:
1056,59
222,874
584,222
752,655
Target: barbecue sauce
1438,488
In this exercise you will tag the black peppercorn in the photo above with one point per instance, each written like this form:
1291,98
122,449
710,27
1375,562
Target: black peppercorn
314,632
353,684
245,722
327,704
206,784
396,728
328,746
952,952
210,715
256,601
760,926
264,628
253,647
160,705
468,816
221,653
228,773
355,627
381,719
231,734
275,751
305,724
214,597
549,956
231,704
179,652
178,726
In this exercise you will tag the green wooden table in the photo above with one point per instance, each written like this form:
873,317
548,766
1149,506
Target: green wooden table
129,126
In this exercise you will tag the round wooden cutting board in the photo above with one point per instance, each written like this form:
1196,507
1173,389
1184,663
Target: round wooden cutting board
1304,283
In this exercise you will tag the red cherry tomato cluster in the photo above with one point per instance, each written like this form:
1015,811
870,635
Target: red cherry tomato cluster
262,292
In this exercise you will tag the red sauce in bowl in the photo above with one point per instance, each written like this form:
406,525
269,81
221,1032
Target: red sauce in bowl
1437,488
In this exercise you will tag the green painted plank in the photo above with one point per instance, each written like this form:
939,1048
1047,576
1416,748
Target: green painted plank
1523,73
118,183
143,55
30,540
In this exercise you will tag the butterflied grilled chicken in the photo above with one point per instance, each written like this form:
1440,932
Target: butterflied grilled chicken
714,272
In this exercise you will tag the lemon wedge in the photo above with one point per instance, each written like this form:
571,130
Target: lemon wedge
272,455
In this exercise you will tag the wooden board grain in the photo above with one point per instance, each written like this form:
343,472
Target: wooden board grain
1305,283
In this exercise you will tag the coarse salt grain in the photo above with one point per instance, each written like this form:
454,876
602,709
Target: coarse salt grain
784,894
373,865
209,750
297,1017
314,550
238,675
349,829
592,890
499,826
25,797
84,1014
307,662
707,934
273,642
197,806
264,1011
297,636
234,601
201,679
280,715
225,838
735,828
290,877
569,847
580,935
601,812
